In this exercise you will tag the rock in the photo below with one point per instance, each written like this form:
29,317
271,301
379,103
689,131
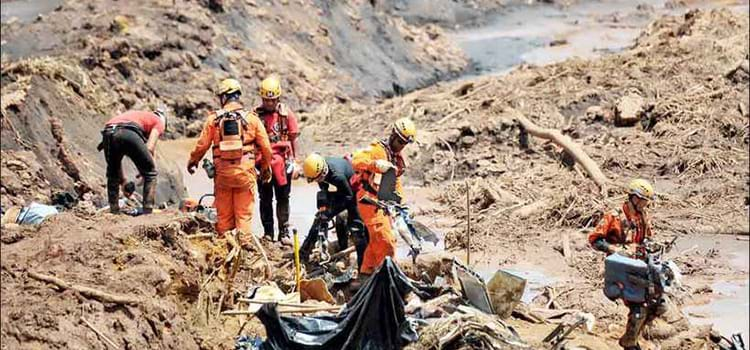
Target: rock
194,129
120,24
558,42
15,165
595,113
192,60
468,140
452,136
628,110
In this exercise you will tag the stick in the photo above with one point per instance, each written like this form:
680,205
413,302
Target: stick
106,339
569,145
200,235
346,251
566,245
468,225
265,301
86,291
452,114
297,267
292,311
269,270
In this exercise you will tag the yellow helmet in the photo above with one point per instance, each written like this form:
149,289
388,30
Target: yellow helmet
270,88
228,86
405,129
314,167
641,188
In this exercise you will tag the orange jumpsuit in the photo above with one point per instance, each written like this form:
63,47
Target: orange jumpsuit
234,183
382,241
621,228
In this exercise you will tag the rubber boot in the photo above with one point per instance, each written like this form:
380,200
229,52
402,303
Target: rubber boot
282,216
149,194
113,195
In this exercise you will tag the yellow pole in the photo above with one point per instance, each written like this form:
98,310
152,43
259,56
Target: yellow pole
297,269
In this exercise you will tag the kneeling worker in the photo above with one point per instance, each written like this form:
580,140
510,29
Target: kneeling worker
334,175
233,133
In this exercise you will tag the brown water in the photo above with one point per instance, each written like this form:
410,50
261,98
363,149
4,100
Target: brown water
524,34
728,312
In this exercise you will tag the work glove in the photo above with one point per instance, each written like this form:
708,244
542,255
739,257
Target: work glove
266,175
383,165
191,168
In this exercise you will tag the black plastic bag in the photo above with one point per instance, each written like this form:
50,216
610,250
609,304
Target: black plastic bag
373,320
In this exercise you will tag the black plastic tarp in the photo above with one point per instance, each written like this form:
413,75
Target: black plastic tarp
373,319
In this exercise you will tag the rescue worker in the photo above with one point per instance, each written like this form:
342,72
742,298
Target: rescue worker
624,233
369,164
336,200
233,134
133,134
281,126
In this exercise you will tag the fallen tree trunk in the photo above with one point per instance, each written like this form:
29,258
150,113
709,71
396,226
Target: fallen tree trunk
86,291
572,148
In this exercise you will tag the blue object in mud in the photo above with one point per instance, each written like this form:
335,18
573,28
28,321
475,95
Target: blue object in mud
625,278
35,213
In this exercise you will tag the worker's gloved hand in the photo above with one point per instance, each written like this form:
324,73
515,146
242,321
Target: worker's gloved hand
383,165
266,175
191,168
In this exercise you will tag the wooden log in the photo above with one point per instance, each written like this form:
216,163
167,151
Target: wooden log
564,141
86,291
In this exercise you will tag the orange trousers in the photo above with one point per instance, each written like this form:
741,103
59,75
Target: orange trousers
234,209
382,241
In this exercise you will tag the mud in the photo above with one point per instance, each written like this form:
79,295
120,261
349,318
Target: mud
524,202
690,69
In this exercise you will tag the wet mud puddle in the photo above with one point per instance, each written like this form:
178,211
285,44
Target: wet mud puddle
728,310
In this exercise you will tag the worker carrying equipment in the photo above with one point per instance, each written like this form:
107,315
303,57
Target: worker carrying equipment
369,165
626,233
281,126
133,134
233,134
336,200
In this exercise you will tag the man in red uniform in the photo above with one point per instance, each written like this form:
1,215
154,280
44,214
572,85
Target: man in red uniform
282,130
133,134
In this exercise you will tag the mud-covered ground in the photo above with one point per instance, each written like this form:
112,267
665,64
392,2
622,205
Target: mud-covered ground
691,141
690,71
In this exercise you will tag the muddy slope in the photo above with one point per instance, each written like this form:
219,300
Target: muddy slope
148,259
84,62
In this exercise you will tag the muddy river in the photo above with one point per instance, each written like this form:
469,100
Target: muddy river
542,34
